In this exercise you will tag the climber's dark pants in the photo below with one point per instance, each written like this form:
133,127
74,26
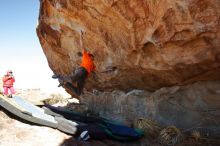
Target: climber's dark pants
79,77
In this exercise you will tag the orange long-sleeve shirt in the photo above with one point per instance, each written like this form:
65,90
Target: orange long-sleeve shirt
87,62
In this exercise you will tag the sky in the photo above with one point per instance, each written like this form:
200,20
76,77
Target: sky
20,49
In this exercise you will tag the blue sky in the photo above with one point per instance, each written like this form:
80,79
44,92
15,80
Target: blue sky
20,49
18,20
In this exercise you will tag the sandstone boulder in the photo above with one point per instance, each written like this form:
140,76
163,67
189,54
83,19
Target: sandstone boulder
150,43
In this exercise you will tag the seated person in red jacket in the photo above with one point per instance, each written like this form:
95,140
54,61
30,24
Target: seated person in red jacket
80,75
8,81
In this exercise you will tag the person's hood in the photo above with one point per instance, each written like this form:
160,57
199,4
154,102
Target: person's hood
8,72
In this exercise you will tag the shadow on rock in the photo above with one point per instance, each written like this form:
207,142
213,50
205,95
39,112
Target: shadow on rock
104,142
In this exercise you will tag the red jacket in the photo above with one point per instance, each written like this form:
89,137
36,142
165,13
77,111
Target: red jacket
87,62
8,81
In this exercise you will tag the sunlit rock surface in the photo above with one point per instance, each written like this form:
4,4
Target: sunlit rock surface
152,43
159,46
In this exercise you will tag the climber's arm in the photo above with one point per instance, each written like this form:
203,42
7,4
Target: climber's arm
81,41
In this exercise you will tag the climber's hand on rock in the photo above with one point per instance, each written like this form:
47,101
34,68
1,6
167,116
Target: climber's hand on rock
82,33
79,54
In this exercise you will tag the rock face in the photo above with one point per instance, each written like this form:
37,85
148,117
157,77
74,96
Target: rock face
151,43
191,106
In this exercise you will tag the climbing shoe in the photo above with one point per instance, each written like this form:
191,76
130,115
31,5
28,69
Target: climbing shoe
55,76
10,96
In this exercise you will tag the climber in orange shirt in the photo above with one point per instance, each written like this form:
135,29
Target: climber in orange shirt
80,74
87,61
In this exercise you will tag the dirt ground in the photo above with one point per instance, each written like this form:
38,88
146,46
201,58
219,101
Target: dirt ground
16,132
19,133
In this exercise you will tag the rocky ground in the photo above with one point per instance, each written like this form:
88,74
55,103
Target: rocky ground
15,132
